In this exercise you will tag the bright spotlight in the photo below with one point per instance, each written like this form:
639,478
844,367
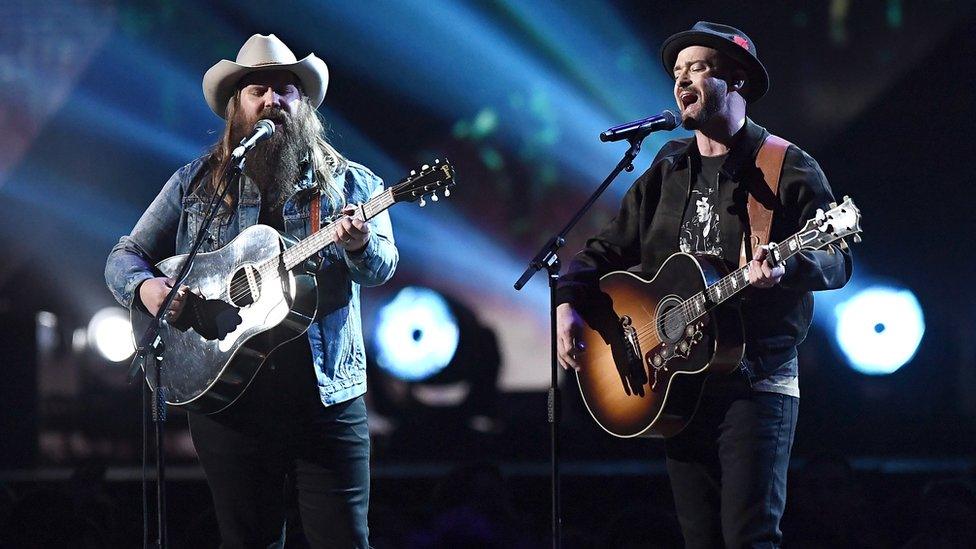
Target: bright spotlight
879,329
416,335
111,334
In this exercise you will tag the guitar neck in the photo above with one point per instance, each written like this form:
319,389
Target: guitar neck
300,252
733,283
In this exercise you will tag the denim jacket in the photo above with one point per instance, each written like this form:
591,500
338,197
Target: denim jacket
168,226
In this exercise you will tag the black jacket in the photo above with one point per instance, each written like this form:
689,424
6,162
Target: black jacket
645,232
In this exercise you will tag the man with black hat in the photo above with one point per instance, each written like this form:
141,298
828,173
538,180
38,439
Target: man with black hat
303,415
728,466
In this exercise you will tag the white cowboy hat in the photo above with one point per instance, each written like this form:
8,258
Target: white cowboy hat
261,53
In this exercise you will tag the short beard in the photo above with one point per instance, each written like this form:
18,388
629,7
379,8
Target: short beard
710,107
705,114
274,165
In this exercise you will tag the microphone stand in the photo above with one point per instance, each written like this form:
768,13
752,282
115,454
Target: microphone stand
151,348
548,259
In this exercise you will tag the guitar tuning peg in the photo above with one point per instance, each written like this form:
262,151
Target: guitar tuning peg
425,167
413,172
433,196
857,239
447,192
437,161
833,205
422,202
846,198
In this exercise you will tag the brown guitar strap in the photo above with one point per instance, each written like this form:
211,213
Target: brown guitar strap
314,212
770,163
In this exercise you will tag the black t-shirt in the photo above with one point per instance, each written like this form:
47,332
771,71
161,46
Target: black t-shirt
700,230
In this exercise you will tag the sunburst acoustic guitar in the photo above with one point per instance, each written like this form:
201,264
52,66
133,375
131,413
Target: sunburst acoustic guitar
652,343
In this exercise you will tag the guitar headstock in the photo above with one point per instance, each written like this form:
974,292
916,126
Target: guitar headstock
826,227
425,181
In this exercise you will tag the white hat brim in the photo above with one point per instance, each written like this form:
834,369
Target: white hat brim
220,81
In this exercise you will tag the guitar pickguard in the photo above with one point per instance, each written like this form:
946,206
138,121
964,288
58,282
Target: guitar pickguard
658,358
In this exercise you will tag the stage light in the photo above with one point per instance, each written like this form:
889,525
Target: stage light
433,364
417,334
110,333
879,329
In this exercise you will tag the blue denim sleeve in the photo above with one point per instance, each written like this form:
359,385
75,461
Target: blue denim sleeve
153,239
376,263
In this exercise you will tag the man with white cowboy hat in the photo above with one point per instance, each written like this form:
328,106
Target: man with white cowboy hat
303,415
728,466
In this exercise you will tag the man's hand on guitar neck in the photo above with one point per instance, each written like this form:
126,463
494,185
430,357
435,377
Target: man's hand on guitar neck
352,233
761,274
153,292
569,343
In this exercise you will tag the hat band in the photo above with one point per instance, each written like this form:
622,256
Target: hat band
266,63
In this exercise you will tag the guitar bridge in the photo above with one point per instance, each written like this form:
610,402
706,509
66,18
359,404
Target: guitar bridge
630,336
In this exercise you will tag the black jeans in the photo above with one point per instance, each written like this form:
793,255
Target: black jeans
728,467
278,428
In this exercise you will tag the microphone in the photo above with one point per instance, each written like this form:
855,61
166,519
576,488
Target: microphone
263,129
667,120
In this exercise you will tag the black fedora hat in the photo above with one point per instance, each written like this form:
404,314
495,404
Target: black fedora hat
728,40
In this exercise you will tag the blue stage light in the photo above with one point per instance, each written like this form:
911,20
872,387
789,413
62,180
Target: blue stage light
416,335
879,329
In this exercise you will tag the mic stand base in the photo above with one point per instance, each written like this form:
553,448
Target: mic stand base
159,420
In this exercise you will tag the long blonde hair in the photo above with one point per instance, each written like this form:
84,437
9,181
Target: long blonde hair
328,165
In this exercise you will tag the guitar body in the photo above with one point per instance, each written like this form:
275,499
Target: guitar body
207,375
651,345
644,367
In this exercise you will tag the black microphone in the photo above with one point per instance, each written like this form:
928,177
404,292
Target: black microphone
263,129
667,120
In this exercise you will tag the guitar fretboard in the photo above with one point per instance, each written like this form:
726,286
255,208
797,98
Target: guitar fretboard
816,234
300,252
297,254
702,302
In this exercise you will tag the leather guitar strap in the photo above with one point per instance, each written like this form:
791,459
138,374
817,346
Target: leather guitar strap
314,213
770,163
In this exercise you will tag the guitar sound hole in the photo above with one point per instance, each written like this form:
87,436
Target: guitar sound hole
670,321
243,289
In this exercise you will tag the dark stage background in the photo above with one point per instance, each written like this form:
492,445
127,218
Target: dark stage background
100,102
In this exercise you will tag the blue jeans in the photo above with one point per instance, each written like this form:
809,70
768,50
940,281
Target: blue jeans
728,467
279,428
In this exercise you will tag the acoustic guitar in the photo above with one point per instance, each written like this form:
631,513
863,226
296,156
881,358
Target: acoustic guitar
256,293
651,344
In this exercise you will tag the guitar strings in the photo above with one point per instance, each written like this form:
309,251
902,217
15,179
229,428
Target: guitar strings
241,288
683,308
724,286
